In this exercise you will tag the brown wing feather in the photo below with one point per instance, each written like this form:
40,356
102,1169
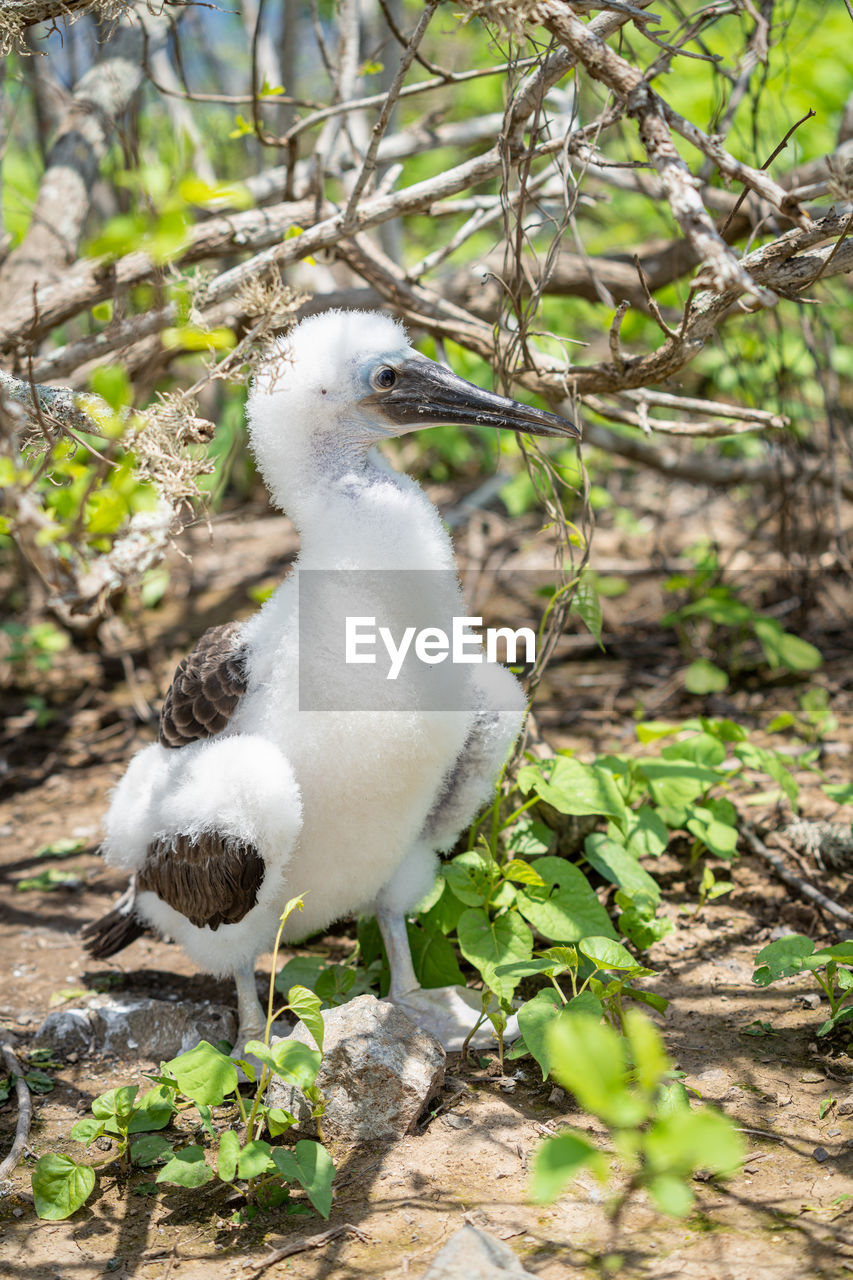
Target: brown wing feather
206,688
207,878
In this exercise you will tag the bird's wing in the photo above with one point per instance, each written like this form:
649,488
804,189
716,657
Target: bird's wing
206,688
208,878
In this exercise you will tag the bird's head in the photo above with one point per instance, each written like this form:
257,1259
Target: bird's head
341,381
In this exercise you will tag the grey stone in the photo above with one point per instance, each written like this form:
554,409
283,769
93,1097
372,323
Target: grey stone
67,1030
844,1106
473,1254
137,1027
378,1073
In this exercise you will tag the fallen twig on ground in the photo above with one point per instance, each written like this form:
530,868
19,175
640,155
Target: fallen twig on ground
25,1112
307,1242
804,889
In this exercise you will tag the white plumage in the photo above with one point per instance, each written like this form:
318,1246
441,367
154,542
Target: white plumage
347,808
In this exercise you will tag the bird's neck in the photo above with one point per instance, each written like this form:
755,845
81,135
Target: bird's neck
353,511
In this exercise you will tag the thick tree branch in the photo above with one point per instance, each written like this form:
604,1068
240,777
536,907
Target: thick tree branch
65,192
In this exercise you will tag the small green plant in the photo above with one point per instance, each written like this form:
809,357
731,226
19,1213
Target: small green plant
831,968
716,620
34,646
516,884
204,1078
815,719
628,1083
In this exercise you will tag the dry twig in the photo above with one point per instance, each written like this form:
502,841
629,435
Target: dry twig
803,888
25,1112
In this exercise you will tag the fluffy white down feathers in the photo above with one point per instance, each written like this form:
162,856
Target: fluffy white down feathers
339,804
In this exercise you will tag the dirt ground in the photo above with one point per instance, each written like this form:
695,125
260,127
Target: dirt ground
753,1052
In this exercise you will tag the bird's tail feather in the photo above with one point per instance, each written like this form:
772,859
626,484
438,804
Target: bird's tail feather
114,931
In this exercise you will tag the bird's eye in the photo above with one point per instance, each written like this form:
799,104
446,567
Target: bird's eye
385,378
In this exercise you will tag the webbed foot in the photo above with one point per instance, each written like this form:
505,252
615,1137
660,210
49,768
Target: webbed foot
449,1013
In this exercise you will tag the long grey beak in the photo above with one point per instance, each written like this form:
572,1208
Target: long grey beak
426,393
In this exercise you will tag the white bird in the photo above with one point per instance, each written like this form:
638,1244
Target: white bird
266,784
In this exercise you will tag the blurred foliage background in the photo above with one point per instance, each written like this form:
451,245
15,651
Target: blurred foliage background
179,186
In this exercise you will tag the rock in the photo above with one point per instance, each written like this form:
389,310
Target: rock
137,1027
711,1083
820,1154
844,1106
66,1029
473,1254
379,1071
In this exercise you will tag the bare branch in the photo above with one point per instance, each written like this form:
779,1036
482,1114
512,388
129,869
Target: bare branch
66,189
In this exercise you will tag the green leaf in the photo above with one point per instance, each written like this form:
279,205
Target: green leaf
576,788
534,1018
116,1104
524,968
64,848
48,880
148,1149
39,1081
311,1166
567,908
434,958
306,1006
528,838
204,1074
60,1186
677,782
111,383
293,1061
613,861
702,677
186,1169
652,730
781,649
443,915
487,943
470,878
647,1052
782,958
607,954
841,793
521,872
153,1110
299,971
87,1130
589,1059
701,748
189,338
672,1195
229,1154
336,984
684,1141
841,953
279,1120
557,1161
254,1159
718,836
769,762
646,834
671,1098
586,603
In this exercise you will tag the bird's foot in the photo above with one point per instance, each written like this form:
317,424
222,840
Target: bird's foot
449,1013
